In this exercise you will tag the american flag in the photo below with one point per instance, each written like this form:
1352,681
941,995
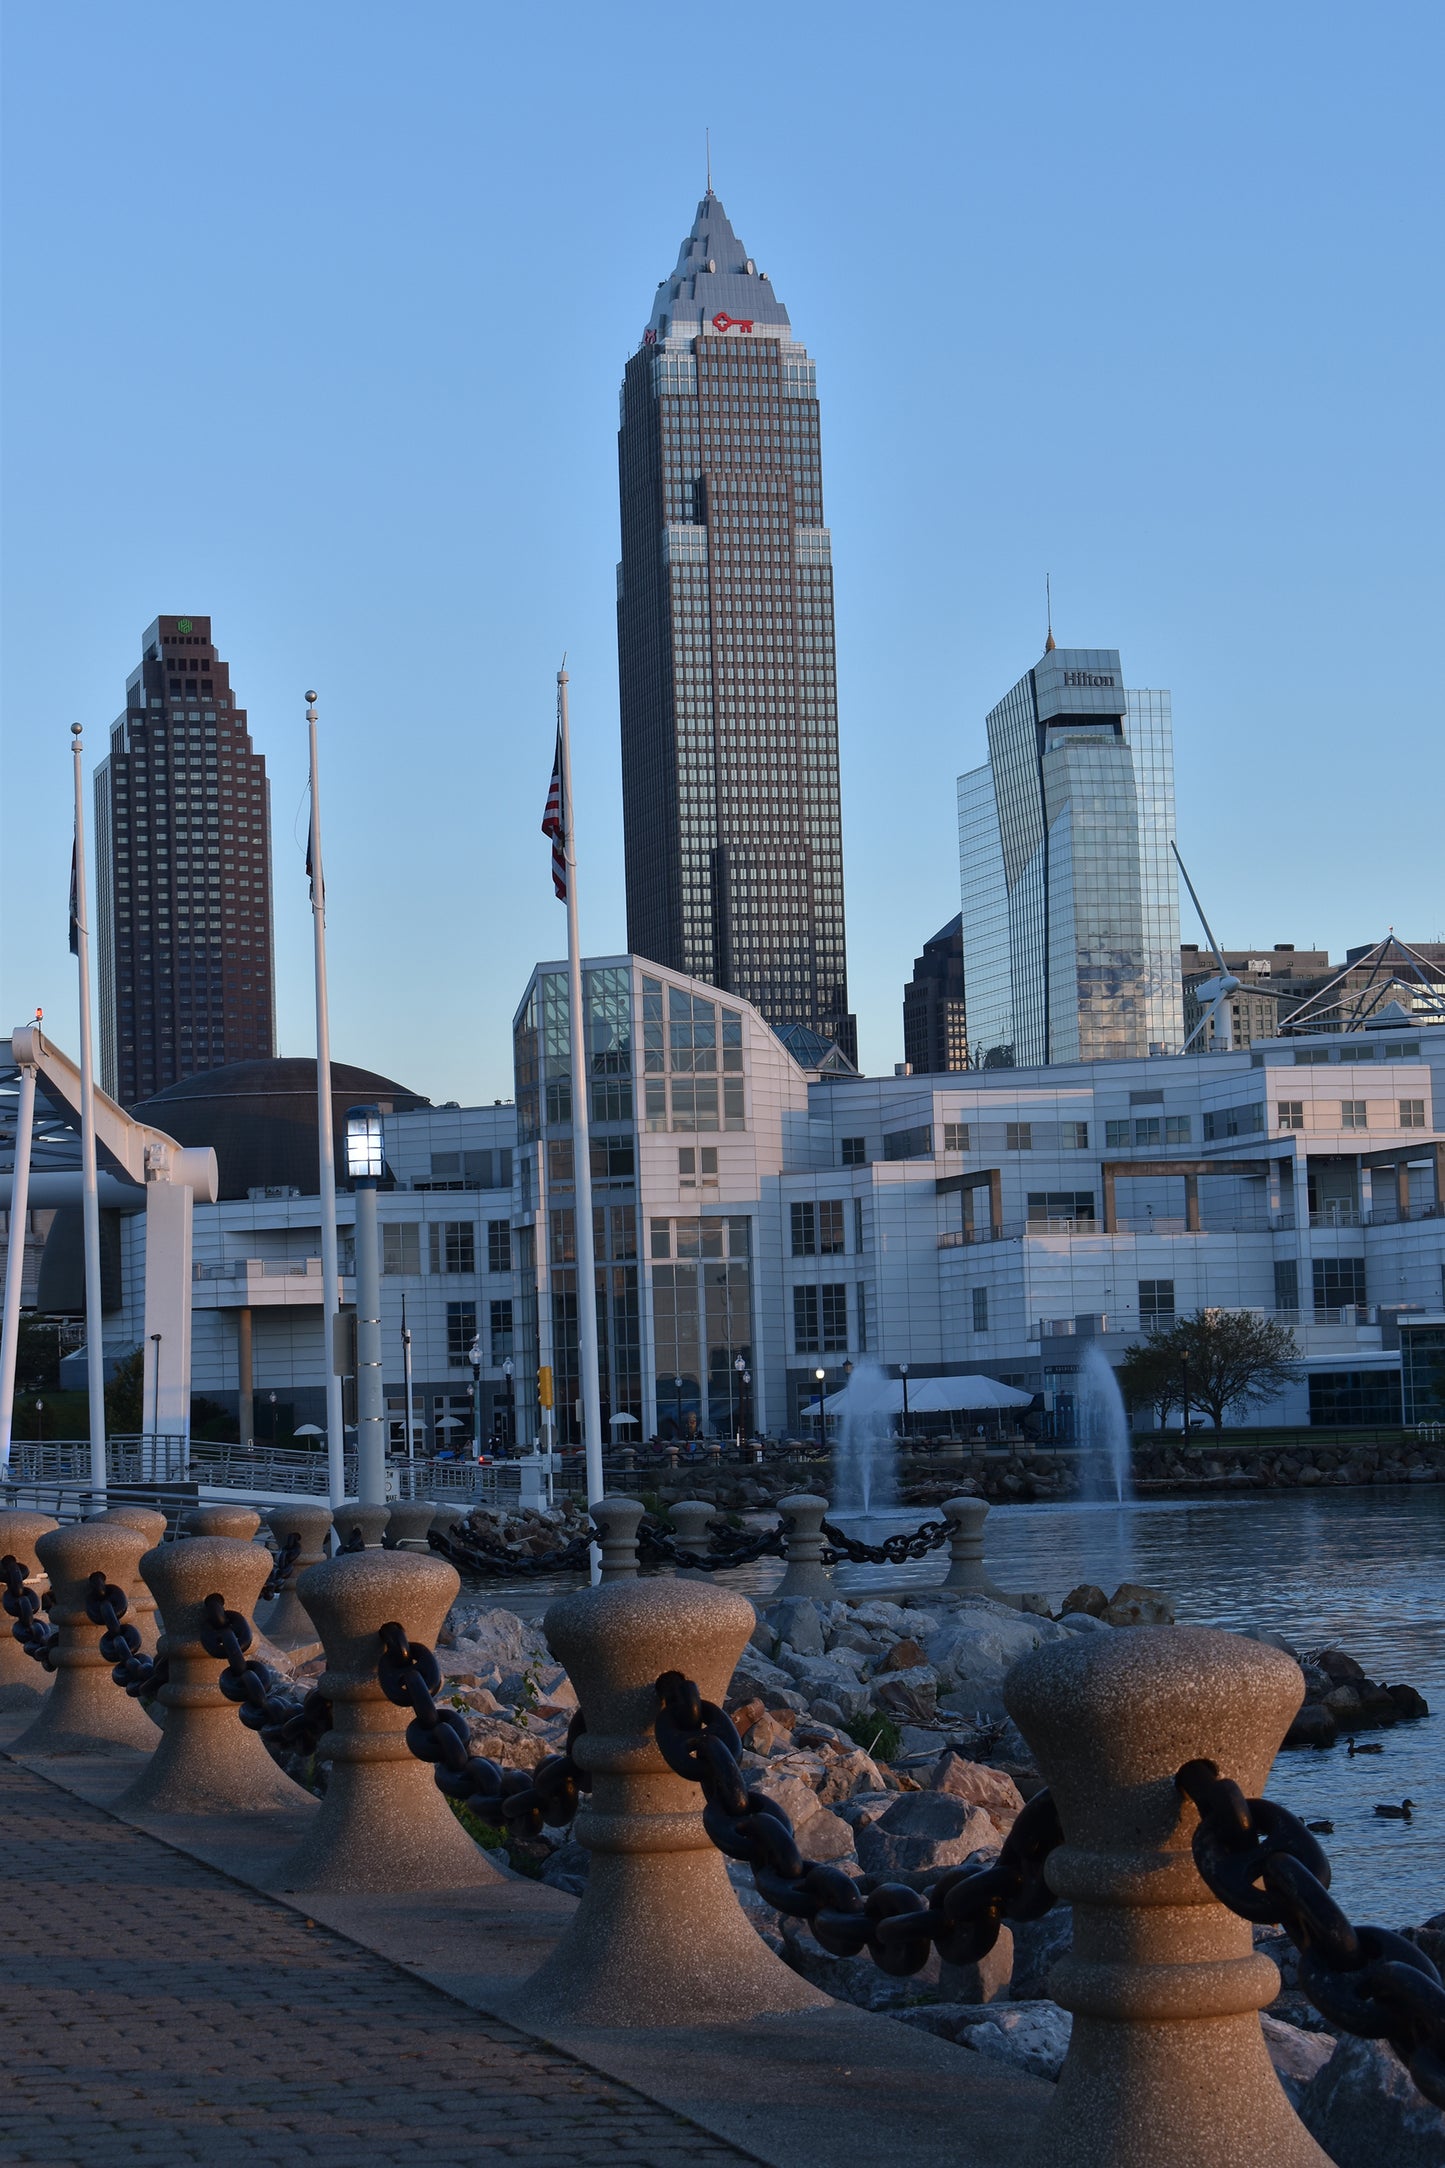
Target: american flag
552,824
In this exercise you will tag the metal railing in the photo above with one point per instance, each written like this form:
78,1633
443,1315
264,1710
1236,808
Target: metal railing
268,1472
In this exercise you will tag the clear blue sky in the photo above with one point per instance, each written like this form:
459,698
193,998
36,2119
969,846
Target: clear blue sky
314,321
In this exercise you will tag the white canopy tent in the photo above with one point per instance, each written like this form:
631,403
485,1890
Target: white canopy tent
927,1396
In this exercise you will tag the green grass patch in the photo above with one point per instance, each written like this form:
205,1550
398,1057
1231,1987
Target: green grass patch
877,1735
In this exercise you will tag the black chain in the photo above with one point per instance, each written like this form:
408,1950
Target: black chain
959,1914
726,1547
351,1544
518,1800
106,1605
1261,1861
892,1551
292,1723
479,1555
283,1569
34,1632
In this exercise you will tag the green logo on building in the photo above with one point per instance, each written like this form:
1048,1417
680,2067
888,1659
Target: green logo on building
185,624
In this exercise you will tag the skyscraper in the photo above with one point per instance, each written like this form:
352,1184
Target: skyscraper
183,873
935,1027
1070,907
733,838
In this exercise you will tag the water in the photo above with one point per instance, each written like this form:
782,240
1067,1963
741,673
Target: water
1359,1568
865,1462
1103,1429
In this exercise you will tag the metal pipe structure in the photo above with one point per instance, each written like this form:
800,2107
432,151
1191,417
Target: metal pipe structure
330,1264
15,1256
90,1196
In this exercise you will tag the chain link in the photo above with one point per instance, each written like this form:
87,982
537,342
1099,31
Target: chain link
32,1629
1261,1861
283,1569
106,1605
726,1547
518,1800
479,1555
892,1551
959,1914
290,1723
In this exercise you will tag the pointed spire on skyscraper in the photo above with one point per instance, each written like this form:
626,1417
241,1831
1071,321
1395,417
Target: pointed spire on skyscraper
707,139
1051,643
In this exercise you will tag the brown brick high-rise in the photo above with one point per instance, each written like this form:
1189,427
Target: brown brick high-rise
183,873
733,835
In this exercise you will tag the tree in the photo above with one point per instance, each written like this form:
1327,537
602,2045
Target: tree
1215,1360
125,1395
1149,1377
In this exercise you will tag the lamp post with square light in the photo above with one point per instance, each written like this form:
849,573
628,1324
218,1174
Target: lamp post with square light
364,1166
819,1378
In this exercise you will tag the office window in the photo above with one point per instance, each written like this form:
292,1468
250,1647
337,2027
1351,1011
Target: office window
1233,1122
1178,1129
612,1101
707,1164
1338,1282
499,1246
1290,1113
1116,1136
909,1143
980,1309
559,1160
858,1225
955,1137
1286,1283
854,1151
1019,1136
461,1332
1156,1304
804,1219
1412,1114
401,1246
611,1159
831,1242
805,1320
453,1246
661,1237
862,1318
501,1330
687,1167
1149,1129
1074,1136
834,1304
1354,1114
1061,1204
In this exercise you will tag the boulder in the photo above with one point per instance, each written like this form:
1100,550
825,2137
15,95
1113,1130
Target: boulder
567,1869
1033,2036
1038,1944
826,1837
855,1979
911,1696
1134,1605
864,1808
818,1678
754,1675
905,1655
798,1622
923,1832
787,1790
1298,2057
1087,1598
845,1775
852,1636
983,1787
1408,1703
1338,1665
1314,1725
987,1979
1364,2108
1084,1622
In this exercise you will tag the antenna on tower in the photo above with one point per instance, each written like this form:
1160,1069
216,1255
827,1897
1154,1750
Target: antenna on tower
707,139
1050,643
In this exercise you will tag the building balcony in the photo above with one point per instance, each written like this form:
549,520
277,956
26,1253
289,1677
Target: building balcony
264,1283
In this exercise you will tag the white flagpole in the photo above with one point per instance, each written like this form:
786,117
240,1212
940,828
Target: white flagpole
89,1191
15,1257
326,1143
581,1143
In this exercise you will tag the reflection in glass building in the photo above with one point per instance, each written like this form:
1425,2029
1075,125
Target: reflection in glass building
1070,909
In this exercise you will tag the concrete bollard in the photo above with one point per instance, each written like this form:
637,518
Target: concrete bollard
208,1761
967,1570
659,1938
805,1574
690,1519
383,1825
408,1525
1167,2060
239,1523
620,1517
351,1514
283,1620
445,1518
85,1712
151,1524
23,1682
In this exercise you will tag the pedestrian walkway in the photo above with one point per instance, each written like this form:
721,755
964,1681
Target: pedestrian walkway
155,2011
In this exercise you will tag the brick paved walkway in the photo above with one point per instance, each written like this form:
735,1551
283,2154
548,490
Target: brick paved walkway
152,2011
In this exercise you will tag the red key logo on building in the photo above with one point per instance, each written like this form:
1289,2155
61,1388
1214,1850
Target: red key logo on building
731,323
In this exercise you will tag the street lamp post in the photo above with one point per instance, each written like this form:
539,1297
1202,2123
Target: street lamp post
508,1372
677,1405
406,1380
364,1166
40,1422
903,1373
154,1456
741,1368
271,1397
474,1357
819,1376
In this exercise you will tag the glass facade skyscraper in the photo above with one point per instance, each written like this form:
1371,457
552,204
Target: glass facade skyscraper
732,827
183,873
1070,906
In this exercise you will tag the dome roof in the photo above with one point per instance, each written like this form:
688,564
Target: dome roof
260,1117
